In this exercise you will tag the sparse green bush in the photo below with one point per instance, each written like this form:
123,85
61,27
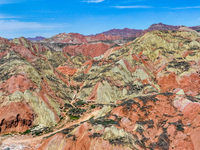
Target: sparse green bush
26,132
76,111
74,117
92,106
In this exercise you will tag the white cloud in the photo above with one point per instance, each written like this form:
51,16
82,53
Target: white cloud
3,16
94,1
133,7
16,28
2,2
192,7
15,25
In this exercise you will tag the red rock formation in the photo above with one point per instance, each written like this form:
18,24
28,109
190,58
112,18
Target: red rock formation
24,52
168,83
108,52
17,83
124,33
15,117
128,33
197,28
71,38
191,84
34,47
147,94
102,37
81,140
20,78
161,26
92,50
76,38
5,43
153,120
67,70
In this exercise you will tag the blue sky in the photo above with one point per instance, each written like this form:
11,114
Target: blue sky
30,18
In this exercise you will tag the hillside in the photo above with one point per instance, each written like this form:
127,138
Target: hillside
144,94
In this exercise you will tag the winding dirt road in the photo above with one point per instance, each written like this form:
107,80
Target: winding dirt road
40,138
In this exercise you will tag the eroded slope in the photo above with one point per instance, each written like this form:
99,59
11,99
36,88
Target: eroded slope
146,93
154,84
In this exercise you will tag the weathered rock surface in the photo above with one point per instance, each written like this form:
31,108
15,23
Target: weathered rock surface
30,92
124,33
92,50
146,93
76,38
154,84
161,26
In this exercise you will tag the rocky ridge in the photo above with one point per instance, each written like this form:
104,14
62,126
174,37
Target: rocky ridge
76,38
133,33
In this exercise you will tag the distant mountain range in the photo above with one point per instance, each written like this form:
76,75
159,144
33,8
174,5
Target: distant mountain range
76,38
126,32
37,38
89,44
113,34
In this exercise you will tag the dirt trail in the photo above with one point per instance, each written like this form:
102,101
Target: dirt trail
40,138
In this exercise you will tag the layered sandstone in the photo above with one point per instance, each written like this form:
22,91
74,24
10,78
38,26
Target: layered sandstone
143,95
76,38
154,84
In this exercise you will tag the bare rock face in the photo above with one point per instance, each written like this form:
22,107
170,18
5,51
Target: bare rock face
15,117
124,33
102,37
76,38
92,50
67,70
186,29
154,84
35,48
27,96
143,95
149,122
161,26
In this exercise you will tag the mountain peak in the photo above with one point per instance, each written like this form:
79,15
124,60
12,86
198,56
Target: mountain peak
161,26
37,38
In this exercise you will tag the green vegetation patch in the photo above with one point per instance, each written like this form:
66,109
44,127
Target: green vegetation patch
26,132
182,65
104,122
74,117
75,113
79,103
37,132
92,106
120,141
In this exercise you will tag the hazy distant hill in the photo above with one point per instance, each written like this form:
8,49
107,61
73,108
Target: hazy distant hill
37,38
